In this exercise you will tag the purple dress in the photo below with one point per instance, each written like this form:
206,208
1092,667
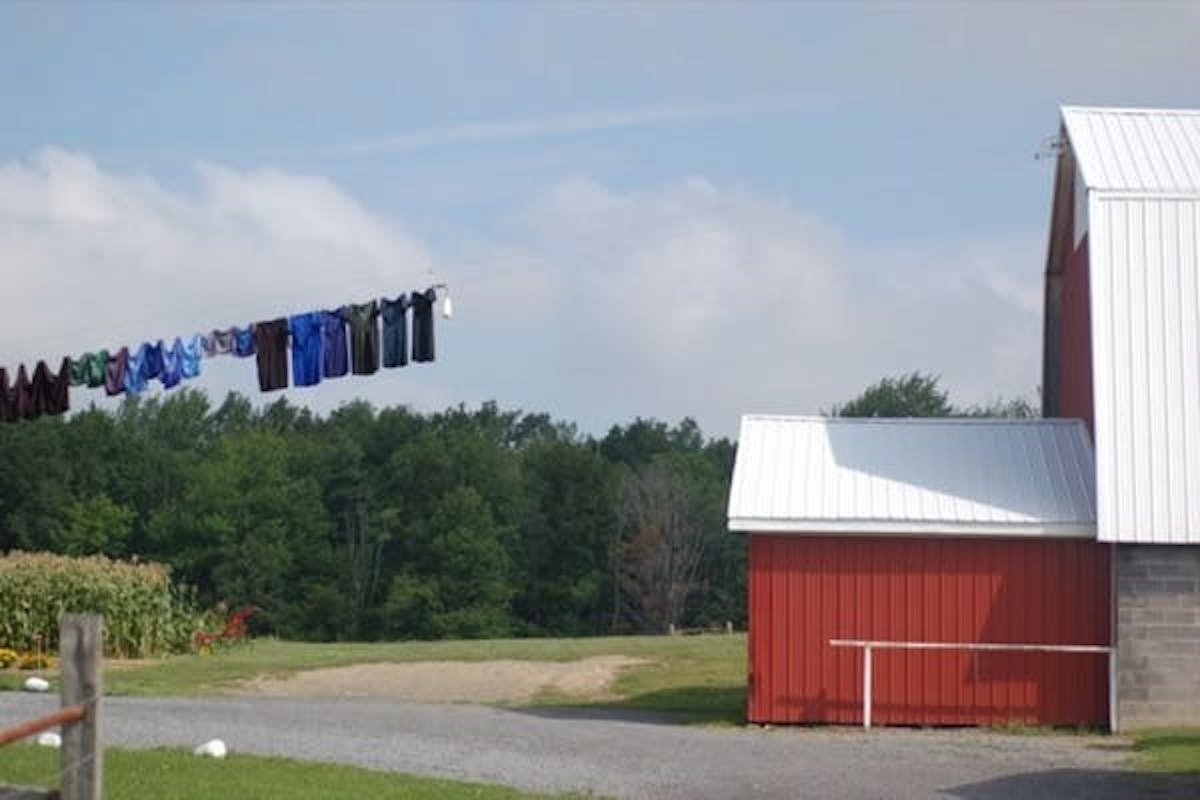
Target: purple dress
333,344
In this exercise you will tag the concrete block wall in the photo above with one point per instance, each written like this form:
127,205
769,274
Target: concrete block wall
1158,635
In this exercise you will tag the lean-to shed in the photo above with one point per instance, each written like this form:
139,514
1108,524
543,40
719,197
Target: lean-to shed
915,532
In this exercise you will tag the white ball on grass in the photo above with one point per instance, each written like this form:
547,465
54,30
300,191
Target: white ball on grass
213,748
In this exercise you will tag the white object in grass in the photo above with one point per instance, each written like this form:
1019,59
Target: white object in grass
213,748
49,739
36,684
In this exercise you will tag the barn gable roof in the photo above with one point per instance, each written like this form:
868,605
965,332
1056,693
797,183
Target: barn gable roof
1142,150
913,476
1139,174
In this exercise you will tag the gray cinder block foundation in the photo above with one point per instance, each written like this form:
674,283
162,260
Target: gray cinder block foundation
1158,635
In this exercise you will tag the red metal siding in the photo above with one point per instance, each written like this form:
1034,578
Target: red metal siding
805,591
1075,371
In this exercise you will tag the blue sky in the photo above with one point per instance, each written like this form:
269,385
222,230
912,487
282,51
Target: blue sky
643,209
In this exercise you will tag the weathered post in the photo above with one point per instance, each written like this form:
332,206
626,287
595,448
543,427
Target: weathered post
81,651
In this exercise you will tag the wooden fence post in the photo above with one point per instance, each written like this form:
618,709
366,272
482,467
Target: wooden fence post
81,651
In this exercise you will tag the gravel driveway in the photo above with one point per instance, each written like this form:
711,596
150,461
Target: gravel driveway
614,755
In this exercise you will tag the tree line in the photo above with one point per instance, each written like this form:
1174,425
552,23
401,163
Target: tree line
386,523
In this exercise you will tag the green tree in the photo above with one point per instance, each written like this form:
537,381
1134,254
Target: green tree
457,584
93,525
1011,408
914,395
563,580
247,529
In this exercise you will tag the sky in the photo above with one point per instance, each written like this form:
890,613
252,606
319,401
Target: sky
658,210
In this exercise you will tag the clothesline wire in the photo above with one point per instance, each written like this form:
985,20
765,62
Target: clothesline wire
223,308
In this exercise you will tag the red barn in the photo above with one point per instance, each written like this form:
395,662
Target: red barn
1006,570
924,537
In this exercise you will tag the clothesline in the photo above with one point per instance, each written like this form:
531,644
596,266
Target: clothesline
320,348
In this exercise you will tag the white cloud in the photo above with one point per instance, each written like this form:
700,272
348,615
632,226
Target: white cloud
594,304
90,256
577,122
699,300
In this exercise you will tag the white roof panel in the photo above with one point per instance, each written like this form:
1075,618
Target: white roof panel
913,476
1138,150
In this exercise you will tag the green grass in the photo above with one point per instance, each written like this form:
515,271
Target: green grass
699,678
179,775
1174,750
1024,729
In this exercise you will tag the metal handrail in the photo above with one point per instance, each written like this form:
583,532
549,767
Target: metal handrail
869,645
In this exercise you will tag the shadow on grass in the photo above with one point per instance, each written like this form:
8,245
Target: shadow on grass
1093,784
681,705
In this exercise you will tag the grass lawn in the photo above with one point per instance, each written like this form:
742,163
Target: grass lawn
700,678
1175,750
179,775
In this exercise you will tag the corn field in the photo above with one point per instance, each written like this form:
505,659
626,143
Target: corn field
144,614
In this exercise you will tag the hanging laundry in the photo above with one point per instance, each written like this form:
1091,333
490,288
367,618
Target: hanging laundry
192,350
151,360
243,341
39,388
89,367
22,396
336,360
422,325
135,380
58,401
270,343
217,343
7,412
114,372
306,348
172,364
395,331
50,391
79,371
364,336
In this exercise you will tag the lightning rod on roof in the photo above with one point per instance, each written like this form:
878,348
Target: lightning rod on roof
1051,147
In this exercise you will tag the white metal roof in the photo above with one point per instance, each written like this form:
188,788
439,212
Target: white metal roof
1141,170
1136,149
913,476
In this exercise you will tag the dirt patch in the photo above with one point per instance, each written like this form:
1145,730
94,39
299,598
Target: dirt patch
452,681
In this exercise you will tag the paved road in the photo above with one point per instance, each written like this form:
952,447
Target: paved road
619,756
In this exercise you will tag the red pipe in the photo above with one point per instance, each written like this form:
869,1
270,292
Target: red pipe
64,716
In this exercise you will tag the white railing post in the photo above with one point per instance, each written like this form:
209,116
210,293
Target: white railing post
1113,722
867,686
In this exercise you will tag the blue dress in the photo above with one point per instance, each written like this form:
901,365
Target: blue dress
243,341
193,349
172,364
152,359
134,368
306,330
